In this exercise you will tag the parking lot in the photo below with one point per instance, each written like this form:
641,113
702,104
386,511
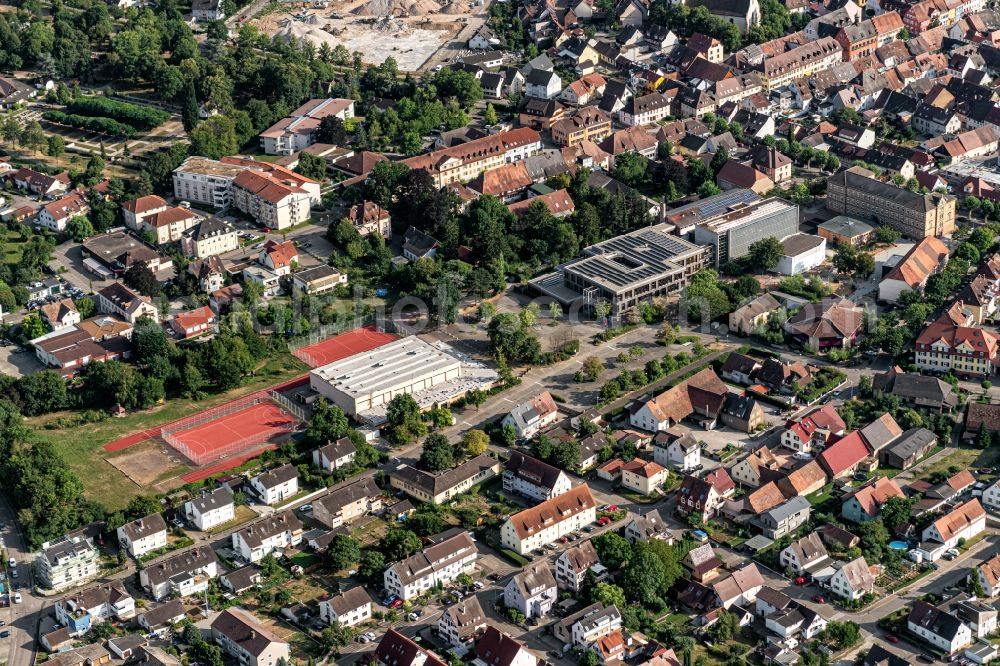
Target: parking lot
16,362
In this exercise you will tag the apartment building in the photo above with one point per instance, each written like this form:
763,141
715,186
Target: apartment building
57,214
573,564
67,562
645,110
532,478
205,181
856,193
967,351
144,535
263,537
208,238
461,623
805,60
298,130
239,634
211,509
271,202
465,161
347,608
448,555
276,485
118,299
589,123
541,525
533,591
183,574
347,501
80,611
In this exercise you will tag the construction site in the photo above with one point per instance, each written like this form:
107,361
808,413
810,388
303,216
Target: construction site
410,31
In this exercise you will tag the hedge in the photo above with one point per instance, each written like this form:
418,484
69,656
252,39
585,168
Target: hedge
93,124
139,117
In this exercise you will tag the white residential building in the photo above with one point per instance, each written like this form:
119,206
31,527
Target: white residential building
184,574
265,536
939,628
991,496
853,580
496,648
531,417
534,479
964,522
347,608
533,591
144,535
804,554
680,453
334,455
298,130
212,509
67,562
276,485
251,643
596,624
448,556
462,622
541,525
989,575
80,611
573,564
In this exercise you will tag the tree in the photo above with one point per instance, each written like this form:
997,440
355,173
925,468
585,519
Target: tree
343,551
94,171
215,138
311,166
438,454
32,327
475,442
331,130
896,511
765,253
56,146
398,544
143,280
612,549
886,235
592,367
719,160
403,419
490,115
983,437
844,634
371,567
79,228
609,595
643,579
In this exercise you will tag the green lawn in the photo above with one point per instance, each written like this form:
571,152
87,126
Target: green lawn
80,444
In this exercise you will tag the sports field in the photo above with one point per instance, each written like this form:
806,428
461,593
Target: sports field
232,433
341,346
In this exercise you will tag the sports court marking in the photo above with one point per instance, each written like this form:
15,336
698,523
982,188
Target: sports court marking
341,346
261,422
131,440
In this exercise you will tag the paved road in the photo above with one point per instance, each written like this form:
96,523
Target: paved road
22,619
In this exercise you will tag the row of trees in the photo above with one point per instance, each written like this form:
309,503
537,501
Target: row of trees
139,117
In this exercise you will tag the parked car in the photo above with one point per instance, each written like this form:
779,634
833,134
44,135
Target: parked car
412,617
800,580
819,598
396,604
892,638
4,633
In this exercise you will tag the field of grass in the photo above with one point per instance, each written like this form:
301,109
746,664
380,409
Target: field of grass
963,458
81,445
13,242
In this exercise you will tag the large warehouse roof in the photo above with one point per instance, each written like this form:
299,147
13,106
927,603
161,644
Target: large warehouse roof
397,364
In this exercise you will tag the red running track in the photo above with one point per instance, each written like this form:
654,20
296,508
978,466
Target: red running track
223,436
346,344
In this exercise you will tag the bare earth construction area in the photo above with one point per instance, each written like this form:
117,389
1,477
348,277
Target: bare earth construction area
410,31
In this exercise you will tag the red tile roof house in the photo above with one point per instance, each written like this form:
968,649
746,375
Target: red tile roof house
815,428
194,322
835,322
279,257
702,498
845,456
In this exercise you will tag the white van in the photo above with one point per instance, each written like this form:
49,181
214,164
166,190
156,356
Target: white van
17,597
